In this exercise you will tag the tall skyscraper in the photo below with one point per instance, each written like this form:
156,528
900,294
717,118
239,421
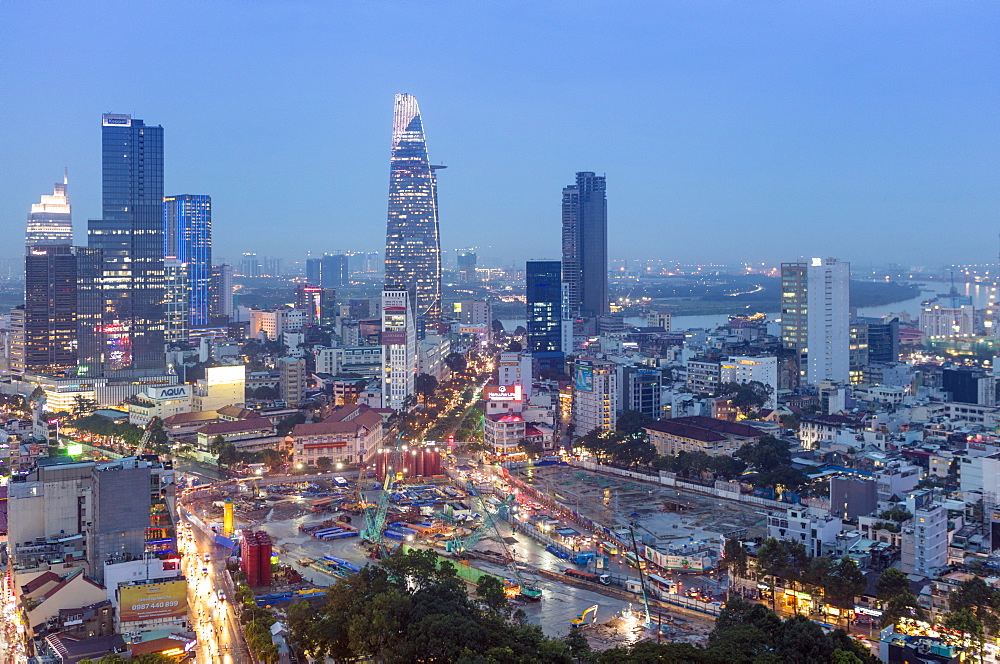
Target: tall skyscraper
328,271
544,320
399,348
43,331
815,318
176,299
124,271
187,236
467,266
585,245
250,265
50,221
220,291
412,241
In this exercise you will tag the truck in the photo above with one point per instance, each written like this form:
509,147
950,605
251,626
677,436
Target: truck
603,579
582,558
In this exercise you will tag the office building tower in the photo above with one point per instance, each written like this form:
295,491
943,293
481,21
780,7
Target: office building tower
328,271
585,245
176,300
270,267
46,342
50,221
412,241
595,395
467,266
815,319
399,348
125,274
544,313
640,390
250,266
187,236
310,300
220,291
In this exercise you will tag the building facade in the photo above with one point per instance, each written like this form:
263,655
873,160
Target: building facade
815,319
47,326
585,245
220,291
187,236
399,348
121,321
544,321
412,244
50,222
595,395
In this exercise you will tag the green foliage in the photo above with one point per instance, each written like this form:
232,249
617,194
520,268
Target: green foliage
734,557
903,605
966,621
408,609
983,601
121,432
631,422
897,514
456,362
286,425
324,462
772,459
425,384
748,397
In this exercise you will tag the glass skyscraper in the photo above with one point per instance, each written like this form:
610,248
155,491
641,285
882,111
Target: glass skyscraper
544,295
50,222
412,241
122,288
187,236
585,245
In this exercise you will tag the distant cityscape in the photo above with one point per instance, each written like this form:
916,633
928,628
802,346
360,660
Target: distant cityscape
200,454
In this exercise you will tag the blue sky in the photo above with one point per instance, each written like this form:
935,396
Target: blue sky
728,130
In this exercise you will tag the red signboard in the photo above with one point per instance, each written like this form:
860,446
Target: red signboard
503,393
393,338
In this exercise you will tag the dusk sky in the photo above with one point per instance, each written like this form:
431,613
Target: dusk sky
728,131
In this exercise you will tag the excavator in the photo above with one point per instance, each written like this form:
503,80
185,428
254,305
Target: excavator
581,619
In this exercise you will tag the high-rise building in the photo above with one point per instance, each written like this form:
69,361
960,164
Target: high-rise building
585,245
50,221
292,379
924,545
544,314
412,241
595,395
220,291
467,266
328,271
815,318
44,331
176,300
399,348
124,273
640,390
250,266
310,300
187,236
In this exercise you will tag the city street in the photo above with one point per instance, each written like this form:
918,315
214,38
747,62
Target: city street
212,617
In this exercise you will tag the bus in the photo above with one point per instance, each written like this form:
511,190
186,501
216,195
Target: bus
634,561
609,548
664,586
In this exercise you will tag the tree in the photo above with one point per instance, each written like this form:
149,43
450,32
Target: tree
264,393
891,582
228,454
286,425
324,463
734,557
515,346
979,598
964,620
425,384
530,448
781,559
215,445
903,605
82,406
491,592
579,647
843,583
274,460
456,362
631,422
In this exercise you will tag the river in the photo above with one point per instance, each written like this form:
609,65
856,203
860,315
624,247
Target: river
910,306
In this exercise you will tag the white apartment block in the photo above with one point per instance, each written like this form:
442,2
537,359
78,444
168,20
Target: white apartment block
815,529
399,348
924,549
742,369
595,395
938,321
815,318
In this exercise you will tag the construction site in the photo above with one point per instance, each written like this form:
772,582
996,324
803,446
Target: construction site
326,529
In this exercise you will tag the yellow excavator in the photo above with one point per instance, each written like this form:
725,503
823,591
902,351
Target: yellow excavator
581,619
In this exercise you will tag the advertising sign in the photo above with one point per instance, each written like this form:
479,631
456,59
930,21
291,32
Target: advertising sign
503,393
584,378
153,601
393,338
674,563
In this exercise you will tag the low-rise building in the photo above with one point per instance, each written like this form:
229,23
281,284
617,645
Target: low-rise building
815,529
350,436
700,434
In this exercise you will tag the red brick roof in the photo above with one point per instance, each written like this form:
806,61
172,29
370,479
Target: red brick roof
238,426
368,419
704,429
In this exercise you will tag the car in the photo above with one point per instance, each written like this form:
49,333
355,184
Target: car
204,569
207,558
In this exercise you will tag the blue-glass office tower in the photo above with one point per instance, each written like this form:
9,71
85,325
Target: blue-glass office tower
585,245
187,236
543,280
412,242
121,317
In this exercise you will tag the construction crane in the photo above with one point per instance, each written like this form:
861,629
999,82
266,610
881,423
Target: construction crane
642,578
144,441
375,514
528,589
582,618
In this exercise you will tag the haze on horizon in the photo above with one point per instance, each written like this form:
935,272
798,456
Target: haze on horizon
728,131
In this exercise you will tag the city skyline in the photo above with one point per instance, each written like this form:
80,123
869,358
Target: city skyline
863,121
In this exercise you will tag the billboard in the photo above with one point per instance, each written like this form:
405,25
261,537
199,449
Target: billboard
153,601
676,563
393,337
503,393
584,378
221,375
